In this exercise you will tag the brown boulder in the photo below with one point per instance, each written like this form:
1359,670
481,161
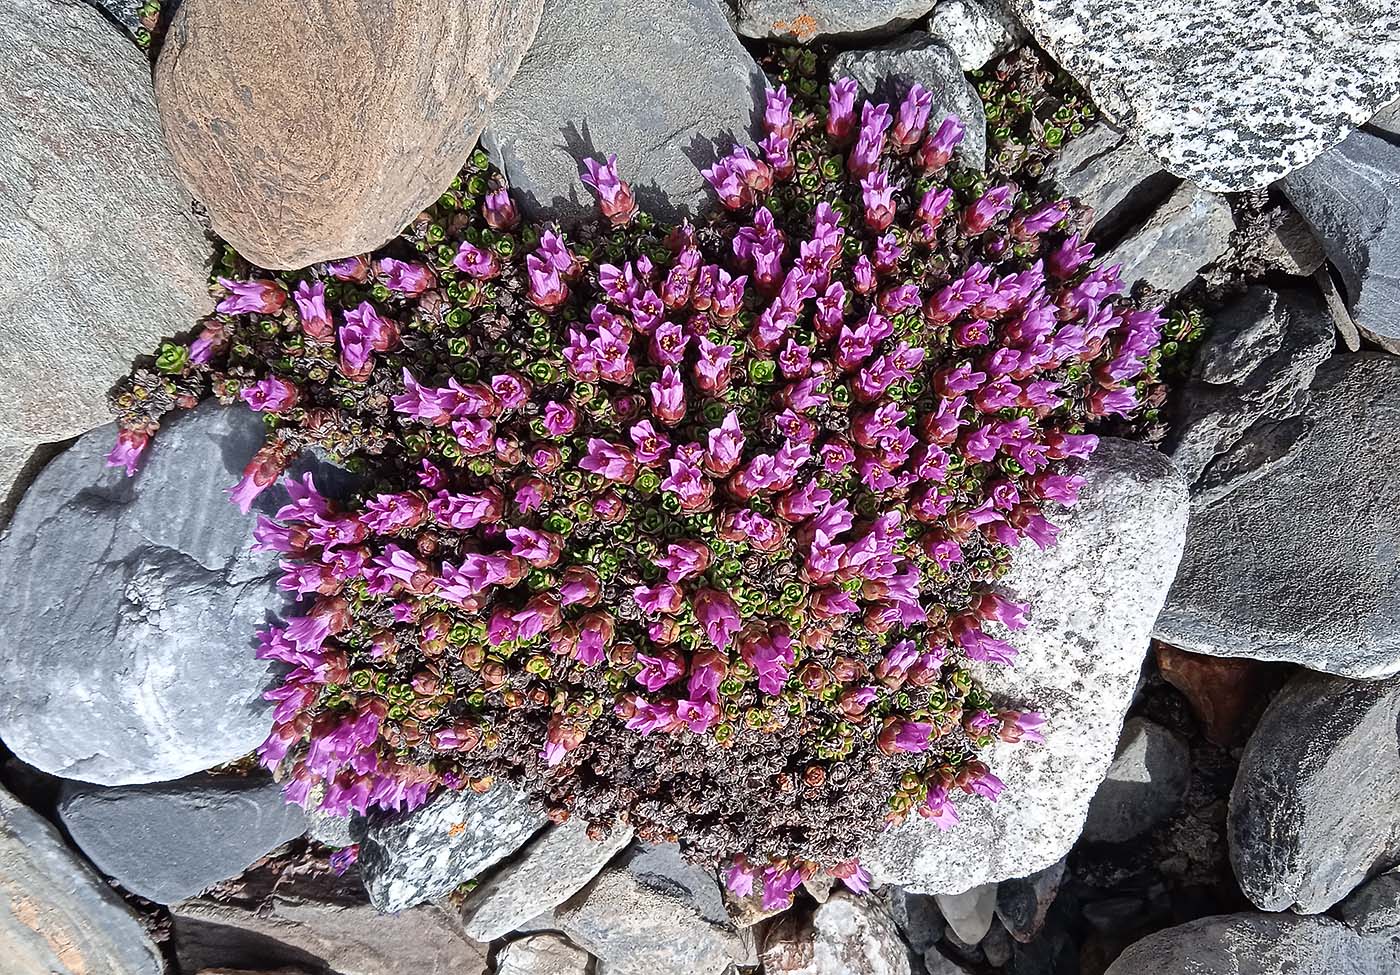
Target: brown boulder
316,131
1227,694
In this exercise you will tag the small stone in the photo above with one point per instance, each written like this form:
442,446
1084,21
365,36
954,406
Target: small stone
423,855
1373,910
975,30
969,914
849,935
57,917
996,946
541,954
820,886
1145,784
1312,815
1023,902
667,101
917,917
549,870
1227,694
1291,247
337,832
651,912
1257,944
1114,176
170,840
805,20
937,963
1188,232
887,72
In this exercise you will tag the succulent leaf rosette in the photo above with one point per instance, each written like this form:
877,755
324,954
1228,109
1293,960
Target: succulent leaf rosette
696,528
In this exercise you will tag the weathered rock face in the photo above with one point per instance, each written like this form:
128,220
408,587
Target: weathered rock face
917,916
1188,232
650,912
1312,812
324,136
548,871
1144,784
541,954
969,913
1093,598
128,608
975,30
1256,944
57,917
1106,170
691,92
422,855
803,20
887,72
849,935
1298,564
1201,87
169,841
1023,902
101,252
1373,910
1350,196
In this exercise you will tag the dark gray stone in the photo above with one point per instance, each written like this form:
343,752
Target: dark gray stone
125,13
1312,811
1023,902
1373,909
918,918
57,917
1108,172
1350,196
887,72
422,855
170,840
1144,785
1300,563
667,101
804,20
1189,232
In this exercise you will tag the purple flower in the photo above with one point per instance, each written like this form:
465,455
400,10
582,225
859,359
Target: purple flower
939,808
257,297
127,451
559,419
343,859
913,117
986,785
718,614
615,199
499,210
612,462
937,148
668,397
405,278
878,196
476,262
310,298
350,269
865,155
994,203
270,395
739,878
779,884
356,358
657,671
841,103
547,289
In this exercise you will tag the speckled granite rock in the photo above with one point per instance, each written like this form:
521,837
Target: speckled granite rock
848,935
422,855
1093,599
887,72
1298,563
804,20
1373,909
1202,85
1350,196
1312,815
1145,784
541,954
688,93
1188,232
1105,170
57,917
548,871
975,30
1256,944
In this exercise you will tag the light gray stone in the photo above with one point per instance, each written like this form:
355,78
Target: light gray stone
1144,785
423,855
1188,232
1093,599
168,841
128,608
666,100
975,30
805,20
541,954
1373,910
849,935
651,912
1202,86
337,832
937,963
1023,902
57,917
1110,173
1300,563
969,913
1312,811
1291,247
1350,196
101,252
1256,944
548,871
887,72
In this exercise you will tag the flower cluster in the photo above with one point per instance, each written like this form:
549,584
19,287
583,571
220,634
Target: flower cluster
698,528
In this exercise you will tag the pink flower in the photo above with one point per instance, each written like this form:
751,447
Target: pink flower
699,716
777,113
356,358
739,877
405,278
662,600
257,297
615,199
683,560
779,883
865,155
658,671
127,452
718,614
349,269
559,419
310,298
726,445
476,262
712,366
981,214
879,201
939,808
270,395
612,462
499,210
668,397
380,332
937,149
546,288
841,103
1019,725
913,117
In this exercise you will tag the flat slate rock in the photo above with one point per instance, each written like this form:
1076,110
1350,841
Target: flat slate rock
667,101
1189,232
1145,784
1313,808
1202,87
57,916
1373,910
1110,173
1093,599
169,841
423,855
1299,564
804,20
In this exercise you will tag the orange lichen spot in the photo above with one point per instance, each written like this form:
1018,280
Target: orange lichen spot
803,27
456,829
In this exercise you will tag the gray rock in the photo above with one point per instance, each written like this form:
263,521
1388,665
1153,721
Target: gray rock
1350,196
1112,174
548,871
102,253
57,917
937,963
1313,815
541,954
996,946
1144,785
124,13
1203,89
1256,944
804,20
128,608
1386,122
1093,598
1298,564
1189,231
334,831
917,917
667,102
969,913
651,912
1291,247
170,840
1023,902
887,72
1373,910
975,30
1258,359
422,855
849,935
